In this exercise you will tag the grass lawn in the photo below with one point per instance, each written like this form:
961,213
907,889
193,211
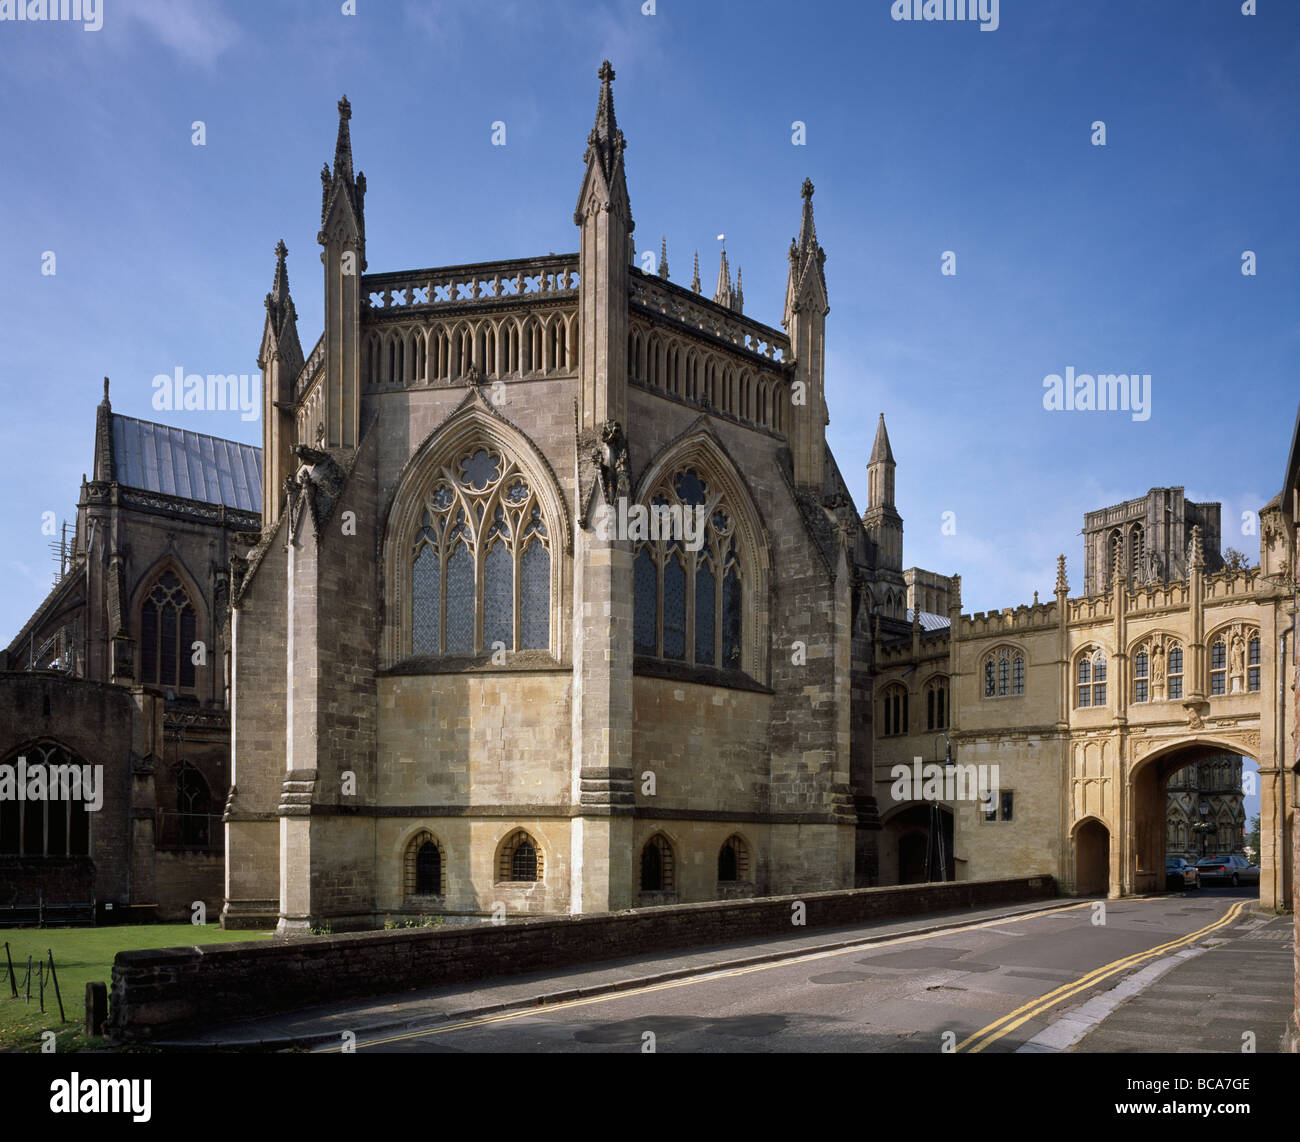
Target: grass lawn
80,956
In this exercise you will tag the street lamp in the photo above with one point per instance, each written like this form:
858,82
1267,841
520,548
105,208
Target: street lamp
936,845
1203,826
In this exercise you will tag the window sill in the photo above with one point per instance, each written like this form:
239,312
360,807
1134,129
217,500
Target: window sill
519,661
699,675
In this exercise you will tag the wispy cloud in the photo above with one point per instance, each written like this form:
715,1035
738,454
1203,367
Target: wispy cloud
199,31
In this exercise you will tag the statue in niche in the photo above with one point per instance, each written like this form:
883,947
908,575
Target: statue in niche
615,467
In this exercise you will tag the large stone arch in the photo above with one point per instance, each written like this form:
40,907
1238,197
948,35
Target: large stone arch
1143,836
474,422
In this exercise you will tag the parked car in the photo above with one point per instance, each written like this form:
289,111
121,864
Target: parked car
1180,875
1231,869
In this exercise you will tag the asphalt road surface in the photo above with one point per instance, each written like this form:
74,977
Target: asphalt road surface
989,988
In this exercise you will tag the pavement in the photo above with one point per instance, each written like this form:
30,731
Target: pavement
1233,994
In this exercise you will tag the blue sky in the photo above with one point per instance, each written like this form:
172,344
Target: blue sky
921,138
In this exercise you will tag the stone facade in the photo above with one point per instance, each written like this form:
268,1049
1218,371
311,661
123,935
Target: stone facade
460,683
107,671
1087,707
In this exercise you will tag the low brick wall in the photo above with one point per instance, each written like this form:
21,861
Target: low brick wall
160,993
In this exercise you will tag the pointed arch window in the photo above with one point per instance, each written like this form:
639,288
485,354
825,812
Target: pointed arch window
168,631
733,860
689,587
936,704
658,866
424,870
519,858
54,827
194,804
481,561
1004,673
893,714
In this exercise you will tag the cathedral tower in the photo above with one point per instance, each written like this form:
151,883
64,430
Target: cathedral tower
883,523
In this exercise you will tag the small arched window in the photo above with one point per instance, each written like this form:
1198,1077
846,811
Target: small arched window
658,868
893,714
194,804
1141,676
936,704
168,631
733,860
520,858
424,866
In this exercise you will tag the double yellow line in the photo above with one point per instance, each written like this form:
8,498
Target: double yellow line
705,975
992,1032
1008,1023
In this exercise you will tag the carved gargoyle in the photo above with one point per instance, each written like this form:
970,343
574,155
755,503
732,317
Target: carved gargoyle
317,485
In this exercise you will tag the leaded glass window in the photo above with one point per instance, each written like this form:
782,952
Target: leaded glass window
689,587
1176,672
1218,667
481,561
168,631
1141,670
1004,673
1252,663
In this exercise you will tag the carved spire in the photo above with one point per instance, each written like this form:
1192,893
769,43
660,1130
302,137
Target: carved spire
663,257
606,143
604,187
738,303
881,452
807,262
343,146
1062,583
105,466
279,305
695,280
280,338
722,294
1196,550
341,181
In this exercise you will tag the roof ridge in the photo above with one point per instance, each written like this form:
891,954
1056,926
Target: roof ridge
192,432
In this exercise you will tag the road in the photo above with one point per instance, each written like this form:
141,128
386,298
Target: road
997,987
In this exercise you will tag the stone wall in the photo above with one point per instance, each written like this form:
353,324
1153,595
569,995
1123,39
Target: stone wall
181,878
160,992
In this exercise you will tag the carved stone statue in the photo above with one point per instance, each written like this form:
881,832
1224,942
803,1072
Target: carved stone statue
615,466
